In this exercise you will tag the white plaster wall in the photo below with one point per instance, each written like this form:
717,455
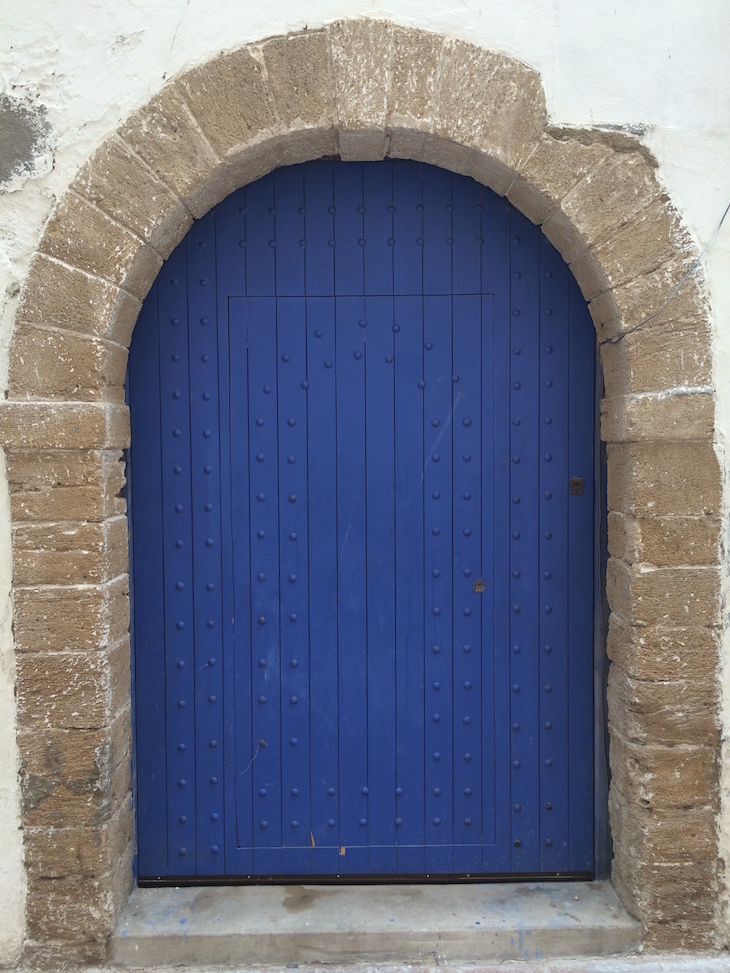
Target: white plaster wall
656,67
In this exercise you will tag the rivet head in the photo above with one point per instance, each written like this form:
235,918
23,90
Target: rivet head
331,791
548,842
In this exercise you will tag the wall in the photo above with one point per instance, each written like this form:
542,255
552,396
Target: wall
619,67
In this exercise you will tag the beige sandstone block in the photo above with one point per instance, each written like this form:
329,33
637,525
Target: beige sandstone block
589,274
361,55
646,416
299,79
557,165
167,137
664,541
63,425
59,296
683,935
651,238
662,777
71,617
611,195
632,303
50,364
661,653
672,712
70,553
53,955
679,836
73,485
229,98
659,479
78,908
76,852
564,236
414,74
49,803
490,102
644,595
79,234
118,183
467,162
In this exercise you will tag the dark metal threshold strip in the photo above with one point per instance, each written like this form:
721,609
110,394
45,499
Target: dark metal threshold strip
185,881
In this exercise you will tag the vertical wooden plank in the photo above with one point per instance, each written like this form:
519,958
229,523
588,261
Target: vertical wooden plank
438,567
294,584
580,582
467,559
409,584
348,237
437,239
177,527
206,537
265,761
526,460
378,242
408,228
147,578
289,214
319,202
241,747
260,237
496,502
467,236
230,225
554,499
351,586
322,492
379,827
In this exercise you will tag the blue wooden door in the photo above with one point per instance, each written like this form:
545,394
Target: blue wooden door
362,506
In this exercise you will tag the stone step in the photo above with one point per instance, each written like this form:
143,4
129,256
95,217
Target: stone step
433,924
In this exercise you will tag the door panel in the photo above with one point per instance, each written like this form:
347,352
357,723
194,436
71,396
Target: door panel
362,587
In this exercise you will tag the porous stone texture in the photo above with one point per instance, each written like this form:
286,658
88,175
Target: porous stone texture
362,89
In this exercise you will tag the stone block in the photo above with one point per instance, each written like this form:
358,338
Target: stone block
48,803
59,296
120,184
230,100
69,553
361,53
79,234
682,935
664,541
83,760
63,425
659,479
78,852
414,73
51,364
672,712
652,237
656,416
72,690
490,102
71,617
644,595
558,164
589,274
660,653
57,955
530,201
611,195
661,777
679,836
564,236
74,485
167,137
647,295
299,78
75,908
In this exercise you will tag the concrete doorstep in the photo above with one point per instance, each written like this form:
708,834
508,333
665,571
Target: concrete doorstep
393,924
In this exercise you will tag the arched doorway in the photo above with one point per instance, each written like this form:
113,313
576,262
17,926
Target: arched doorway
362,505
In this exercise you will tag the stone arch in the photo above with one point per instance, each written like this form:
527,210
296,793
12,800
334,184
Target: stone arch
358,89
